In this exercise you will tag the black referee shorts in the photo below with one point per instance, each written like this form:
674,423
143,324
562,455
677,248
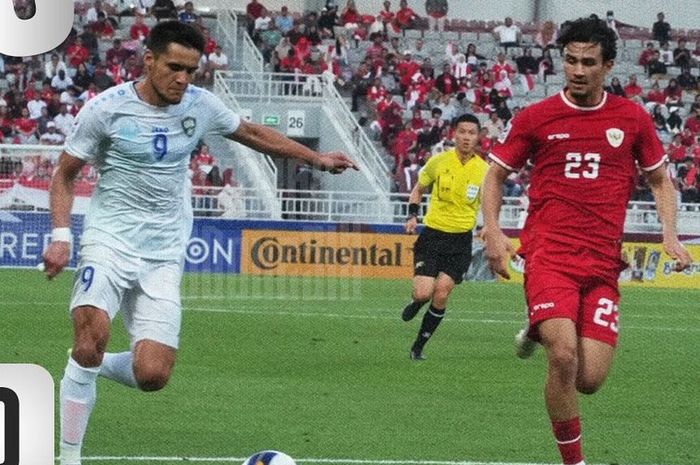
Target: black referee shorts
436,251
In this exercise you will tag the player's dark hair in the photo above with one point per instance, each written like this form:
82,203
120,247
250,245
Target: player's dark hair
467,118
169,32
591,30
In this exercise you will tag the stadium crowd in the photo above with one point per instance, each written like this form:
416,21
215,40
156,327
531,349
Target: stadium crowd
404,79
42,94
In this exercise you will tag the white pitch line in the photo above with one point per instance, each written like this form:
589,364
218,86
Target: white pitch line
380,317
303,460
272,311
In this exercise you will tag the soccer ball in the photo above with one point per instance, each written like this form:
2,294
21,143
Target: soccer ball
269,457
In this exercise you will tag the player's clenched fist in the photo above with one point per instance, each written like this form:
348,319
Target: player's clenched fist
56,258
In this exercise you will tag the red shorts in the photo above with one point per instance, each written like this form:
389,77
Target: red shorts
570,286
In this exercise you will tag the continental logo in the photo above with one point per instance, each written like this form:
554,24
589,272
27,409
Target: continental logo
268,253
319,253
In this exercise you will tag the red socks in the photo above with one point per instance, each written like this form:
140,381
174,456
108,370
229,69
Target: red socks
568,436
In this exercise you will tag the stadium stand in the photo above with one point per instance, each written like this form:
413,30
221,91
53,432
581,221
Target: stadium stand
402,82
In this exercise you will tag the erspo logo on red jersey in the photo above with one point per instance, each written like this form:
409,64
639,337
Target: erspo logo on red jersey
41,33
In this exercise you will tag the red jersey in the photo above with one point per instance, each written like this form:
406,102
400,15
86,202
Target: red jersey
386,15
693,124
404,16
584,169
139,31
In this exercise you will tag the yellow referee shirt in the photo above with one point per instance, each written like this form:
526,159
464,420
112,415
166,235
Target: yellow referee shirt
455,198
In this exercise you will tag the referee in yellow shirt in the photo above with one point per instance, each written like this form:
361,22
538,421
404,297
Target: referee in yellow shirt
443,250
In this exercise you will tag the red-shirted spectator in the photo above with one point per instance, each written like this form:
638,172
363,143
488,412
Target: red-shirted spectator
446,83
687,137
376,92
254,9
646,55
133,68
390,119
502,69
376,52
407,68
673,92
406,17
386,13
693,121
417,121
290,63
103,27
209,42
139,30
676,150
655,94
77,53
632,89
118,52
303,48
350,15
406,140
116,71
25,126
204,157
314,64
694,151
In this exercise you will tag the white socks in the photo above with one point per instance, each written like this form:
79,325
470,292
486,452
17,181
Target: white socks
77,398
119,367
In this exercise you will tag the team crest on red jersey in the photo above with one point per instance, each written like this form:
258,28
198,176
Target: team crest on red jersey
615,137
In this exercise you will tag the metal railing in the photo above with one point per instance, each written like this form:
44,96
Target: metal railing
332,206
251,58
259,165
227,31
370,208
271,88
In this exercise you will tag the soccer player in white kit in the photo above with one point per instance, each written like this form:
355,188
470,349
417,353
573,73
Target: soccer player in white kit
140,136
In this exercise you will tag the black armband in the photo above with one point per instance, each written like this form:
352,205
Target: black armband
413,210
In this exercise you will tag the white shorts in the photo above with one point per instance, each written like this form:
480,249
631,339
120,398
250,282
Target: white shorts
147,291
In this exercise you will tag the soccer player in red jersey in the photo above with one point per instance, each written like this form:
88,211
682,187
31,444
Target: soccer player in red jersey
584,145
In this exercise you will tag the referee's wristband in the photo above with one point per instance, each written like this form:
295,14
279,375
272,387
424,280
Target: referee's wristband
61,235
413,210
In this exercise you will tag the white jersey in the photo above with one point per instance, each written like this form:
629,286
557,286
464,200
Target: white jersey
141,204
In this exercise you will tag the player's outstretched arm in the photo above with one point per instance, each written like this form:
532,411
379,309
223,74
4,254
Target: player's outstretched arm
272,142
497,246
57,254
666,207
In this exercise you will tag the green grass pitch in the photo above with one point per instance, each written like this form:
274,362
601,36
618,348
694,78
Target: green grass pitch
319,368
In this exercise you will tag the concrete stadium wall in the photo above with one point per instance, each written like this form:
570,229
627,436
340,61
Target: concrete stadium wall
679,13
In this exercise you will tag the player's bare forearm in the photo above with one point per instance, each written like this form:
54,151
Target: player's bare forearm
497,246
414,197
416,194
665,197
61,191
57,254
666,207
276,144
492,195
